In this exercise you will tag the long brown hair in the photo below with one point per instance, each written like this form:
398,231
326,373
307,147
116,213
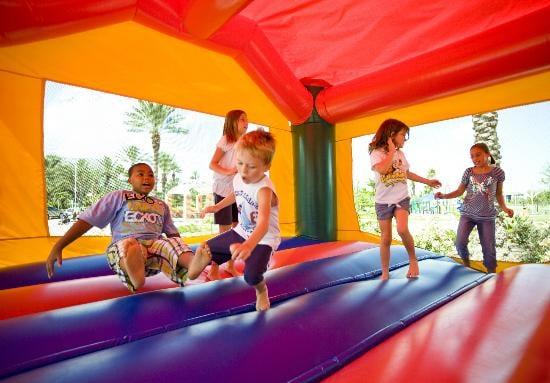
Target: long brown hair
230,129
386,130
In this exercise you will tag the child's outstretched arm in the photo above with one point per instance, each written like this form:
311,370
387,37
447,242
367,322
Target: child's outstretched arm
456,193
244,250
501,202
416,178
75,231
227,201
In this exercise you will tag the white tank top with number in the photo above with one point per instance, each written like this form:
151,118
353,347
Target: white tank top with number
246,196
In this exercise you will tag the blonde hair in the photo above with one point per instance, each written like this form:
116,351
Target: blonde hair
259,143
230,126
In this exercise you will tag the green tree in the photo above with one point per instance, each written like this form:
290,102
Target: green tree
363,199
168,173
195,176
485,130
132,155
109,176
59,181
153,118
546,176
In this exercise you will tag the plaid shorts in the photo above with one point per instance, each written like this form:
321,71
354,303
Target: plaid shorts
162,255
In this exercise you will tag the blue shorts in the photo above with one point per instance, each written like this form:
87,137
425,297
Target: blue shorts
386,211
227,215
254,267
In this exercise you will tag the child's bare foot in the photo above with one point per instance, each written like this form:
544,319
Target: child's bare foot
385,276
214,272
201,259
413,272
262,298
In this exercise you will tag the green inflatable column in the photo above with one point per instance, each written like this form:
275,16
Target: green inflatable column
314,172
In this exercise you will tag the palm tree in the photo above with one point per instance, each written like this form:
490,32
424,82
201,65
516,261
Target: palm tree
195,176
485,130
168,167
132,155
546,176
153,118
59,181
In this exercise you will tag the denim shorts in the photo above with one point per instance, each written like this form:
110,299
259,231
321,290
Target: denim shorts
387,211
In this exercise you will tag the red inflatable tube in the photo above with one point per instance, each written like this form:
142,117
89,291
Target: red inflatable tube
24,21
49,296
262,62
514,49
204,17
497,332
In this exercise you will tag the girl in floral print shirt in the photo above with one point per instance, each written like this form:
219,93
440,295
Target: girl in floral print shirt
483,185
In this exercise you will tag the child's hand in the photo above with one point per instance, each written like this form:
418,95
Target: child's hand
240,251
434,183
54,255
391,146
509,212
207,210
438,195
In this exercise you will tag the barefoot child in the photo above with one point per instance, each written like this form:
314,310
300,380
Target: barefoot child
257,234
138,249
391,171
223,165
483,184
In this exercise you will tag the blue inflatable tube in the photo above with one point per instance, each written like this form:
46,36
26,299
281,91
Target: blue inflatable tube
298,340
47,337
89,266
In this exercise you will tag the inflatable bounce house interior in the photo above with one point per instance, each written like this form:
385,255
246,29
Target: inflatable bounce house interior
318,74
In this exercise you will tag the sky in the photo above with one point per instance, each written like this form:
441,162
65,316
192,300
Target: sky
83,123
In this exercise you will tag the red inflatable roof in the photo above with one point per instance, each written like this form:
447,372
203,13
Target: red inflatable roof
370,55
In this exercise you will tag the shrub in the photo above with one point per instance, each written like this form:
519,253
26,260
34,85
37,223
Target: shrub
524,240
436,240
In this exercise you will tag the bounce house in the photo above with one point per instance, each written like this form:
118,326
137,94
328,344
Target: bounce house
318,74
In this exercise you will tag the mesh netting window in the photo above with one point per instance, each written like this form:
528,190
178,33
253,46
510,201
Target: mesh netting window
92,138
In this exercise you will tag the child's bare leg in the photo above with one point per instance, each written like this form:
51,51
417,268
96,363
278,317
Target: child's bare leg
230,267
262,297
214,272
185,259
133,262
385,242
201,259
402,218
